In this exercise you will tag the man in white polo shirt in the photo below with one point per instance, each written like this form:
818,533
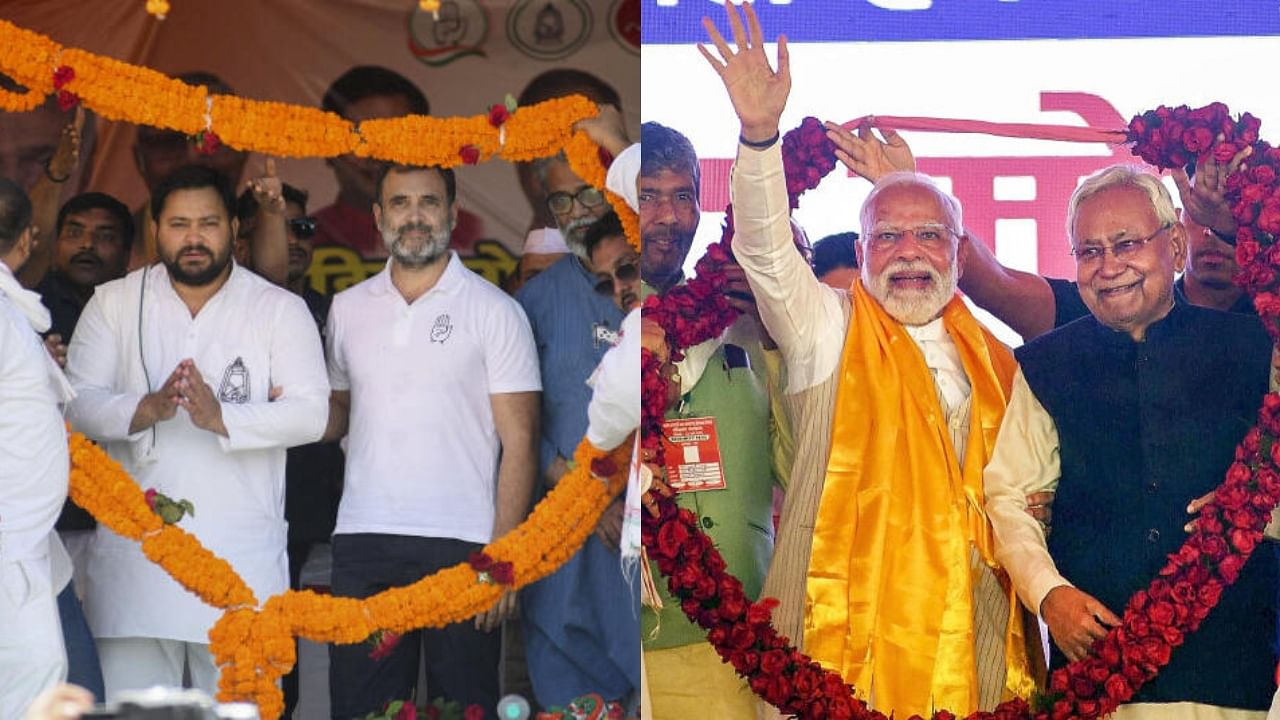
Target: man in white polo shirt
173,367
437,373
33,476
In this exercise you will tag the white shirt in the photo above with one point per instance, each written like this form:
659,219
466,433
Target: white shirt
33,443
249,337
422,447
614,411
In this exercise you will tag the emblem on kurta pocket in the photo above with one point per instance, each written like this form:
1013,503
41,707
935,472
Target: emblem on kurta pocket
441,330
235,383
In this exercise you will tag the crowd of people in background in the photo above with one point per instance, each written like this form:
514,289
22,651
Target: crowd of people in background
396,426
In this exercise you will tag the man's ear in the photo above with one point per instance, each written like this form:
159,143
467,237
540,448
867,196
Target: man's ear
962,254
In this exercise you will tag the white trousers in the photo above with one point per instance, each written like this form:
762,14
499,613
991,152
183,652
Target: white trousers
32,654
140,663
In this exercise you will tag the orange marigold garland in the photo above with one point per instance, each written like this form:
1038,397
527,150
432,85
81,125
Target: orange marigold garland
254,647
120,91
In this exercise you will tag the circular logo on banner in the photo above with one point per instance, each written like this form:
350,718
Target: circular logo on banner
459,29
549,29
624,24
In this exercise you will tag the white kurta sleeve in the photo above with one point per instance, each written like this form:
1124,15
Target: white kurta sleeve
802,315
1025,461
623,173
614,411
297,368
99,409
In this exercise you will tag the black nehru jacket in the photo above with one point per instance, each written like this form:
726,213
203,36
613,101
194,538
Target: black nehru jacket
1144,428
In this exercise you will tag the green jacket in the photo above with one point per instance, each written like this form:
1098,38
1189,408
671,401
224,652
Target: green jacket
739,518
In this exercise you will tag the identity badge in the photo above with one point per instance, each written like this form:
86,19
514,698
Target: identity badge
691,453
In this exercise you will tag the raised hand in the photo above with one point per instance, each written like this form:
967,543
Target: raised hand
759,94
67,155
268,190
607,129
867,155
1203,195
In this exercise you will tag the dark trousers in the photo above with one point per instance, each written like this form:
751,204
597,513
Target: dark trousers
461,661
83,668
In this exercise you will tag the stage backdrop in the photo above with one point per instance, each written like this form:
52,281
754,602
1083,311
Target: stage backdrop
1073,62
290,50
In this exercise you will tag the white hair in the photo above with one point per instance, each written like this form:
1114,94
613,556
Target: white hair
950,205
1123,175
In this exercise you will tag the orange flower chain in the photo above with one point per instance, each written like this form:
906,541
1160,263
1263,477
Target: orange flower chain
119,91
255,646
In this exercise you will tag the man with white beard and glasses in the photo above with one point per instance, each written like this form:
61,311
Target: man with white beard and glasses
884,564
435,374
173,366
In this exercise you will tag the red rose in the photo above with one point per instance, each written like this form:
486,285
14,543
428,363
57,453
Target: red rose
1088,708
62,75
1158,590
773,662
209,142
1109,652
1096,670
473,712
761,612
704,588
498,114
1264,174
1183,591
470,154
1172,635
1244,541
1160,612
480,562
1224,152
804,682
1137,626
1197,139
1247,129
503,573
1155,649
1229,568
1117,688
150,495
1137,126
731,607
1062,710
741,637
670,537
1059,681
944,715
1083,687
408,711
1210,592
1214,547
67,100
779,688
1243,519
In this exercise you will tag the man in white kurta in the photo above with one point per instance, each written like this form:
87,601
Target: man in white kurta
33,477
157,343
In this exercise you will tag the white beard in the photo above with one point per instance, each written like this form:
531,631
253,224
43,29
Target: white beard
911,307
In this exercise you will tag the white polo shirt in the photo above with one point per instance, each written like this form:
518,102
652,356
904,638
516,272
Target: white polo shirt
422,448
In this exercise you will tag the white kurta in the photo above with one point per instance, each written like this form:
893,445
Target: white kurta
33,484
249,337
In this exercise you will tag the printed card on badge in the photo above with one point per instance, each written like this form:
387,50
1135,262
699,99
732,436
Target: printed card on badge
691,453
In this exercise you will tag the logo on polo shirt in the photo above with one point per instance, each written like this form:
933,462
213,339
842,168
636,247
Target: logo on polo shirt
441,330
235,383
602,335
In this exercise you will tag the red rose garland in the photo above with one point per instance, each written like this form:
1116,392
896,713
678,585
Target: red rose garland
1156,620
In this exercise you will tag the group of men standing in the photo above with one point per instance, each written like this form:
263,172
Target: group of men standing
913,548
212,382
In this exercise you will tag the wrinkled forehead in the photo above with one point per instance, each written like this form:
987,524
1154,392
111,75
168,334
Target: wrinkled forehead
1114,212
910,205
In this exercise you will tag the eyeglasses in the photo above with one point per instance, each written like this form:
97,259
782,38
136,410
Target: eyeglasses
302,227
930,237
1124,250
562,202
624,273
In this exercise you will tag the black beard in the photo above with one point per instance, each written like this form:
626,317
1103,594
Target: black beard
202,278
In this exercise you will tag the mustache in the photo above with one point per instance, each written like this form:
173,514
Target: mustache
86,255
917,266
196,250
413,227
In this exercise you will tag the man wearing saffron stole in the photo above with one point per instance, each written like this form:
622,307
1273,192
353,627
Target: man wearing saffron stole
884,564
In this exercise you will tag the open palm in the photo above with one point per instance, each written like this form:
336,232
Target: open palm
758,92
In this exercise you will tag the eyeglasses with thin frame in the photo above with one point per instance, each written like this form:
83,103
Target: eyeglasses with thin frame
1124,250
624,273
303,227
562,202
933,236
